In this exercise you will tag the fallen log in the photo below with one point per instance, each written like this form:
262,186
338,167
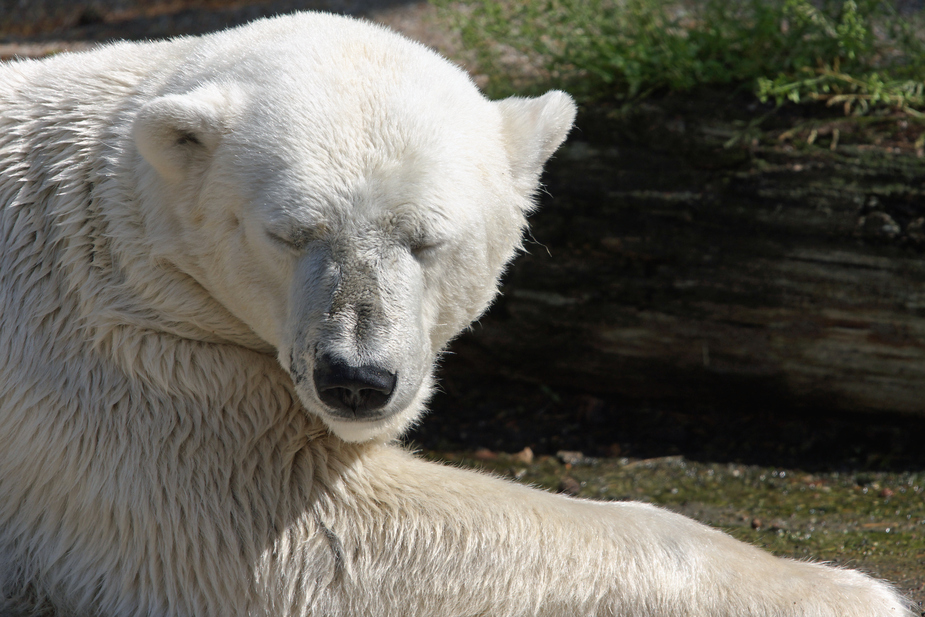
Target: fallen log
702,260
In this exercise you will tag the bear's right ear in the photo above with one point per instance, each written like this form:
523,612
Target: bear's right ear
533,129
174,131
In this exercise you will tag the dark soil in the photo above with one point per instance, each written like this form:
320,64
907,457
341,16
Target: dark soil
475,410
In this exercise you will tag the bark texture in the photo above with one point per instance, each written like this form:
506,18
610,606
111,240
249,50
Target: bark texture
703,259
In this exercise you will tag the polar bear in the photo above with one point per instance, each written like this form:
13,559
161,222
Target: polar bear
228,265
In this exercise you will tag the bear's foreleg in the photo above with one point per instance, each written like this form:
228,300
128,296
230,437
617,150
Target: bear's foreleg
416,538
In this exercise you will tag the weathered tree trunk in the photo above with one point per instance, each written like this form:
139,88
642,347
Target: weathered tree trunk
669,265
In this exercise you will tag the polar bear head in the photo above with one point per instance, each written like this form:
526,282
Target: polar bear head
348,196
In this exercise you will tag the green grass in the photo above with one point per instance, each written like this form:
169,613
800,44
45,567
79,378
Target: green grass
855,54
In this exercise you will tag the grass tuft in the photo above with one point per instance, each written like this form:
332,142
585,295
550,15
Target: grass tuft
857,54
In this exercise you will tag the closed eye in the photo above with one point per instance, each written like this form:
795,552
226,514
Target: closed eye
423,249
294,240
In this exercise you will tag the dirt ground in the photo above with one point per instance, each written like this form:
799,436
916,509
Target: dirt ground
38,27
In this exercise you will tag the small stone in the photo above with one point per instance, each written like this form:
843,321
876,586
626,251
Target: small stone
569,486
524,456
778,525
756,523
484,454
569,457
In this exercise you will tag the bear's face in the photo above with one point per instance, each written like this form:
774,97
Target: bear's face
354,232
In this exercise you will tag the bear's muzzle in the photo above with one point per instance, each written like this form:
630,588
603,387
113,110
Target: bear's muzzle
352,392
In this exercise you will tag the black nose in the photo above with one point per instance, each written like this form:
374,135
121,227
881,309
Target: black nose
352,391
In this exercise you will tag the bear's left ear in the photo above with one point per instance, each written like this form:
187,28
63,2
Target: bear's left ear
174,131
533,129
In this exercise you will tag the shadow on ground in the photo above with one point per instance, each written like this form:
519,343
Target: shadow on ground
474,411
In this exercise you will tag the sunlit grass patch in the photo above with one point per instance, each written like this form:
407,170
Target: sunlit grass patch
856,54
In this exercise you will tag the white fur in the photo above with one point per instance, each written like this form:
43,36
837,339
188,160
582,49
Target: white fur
186,227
